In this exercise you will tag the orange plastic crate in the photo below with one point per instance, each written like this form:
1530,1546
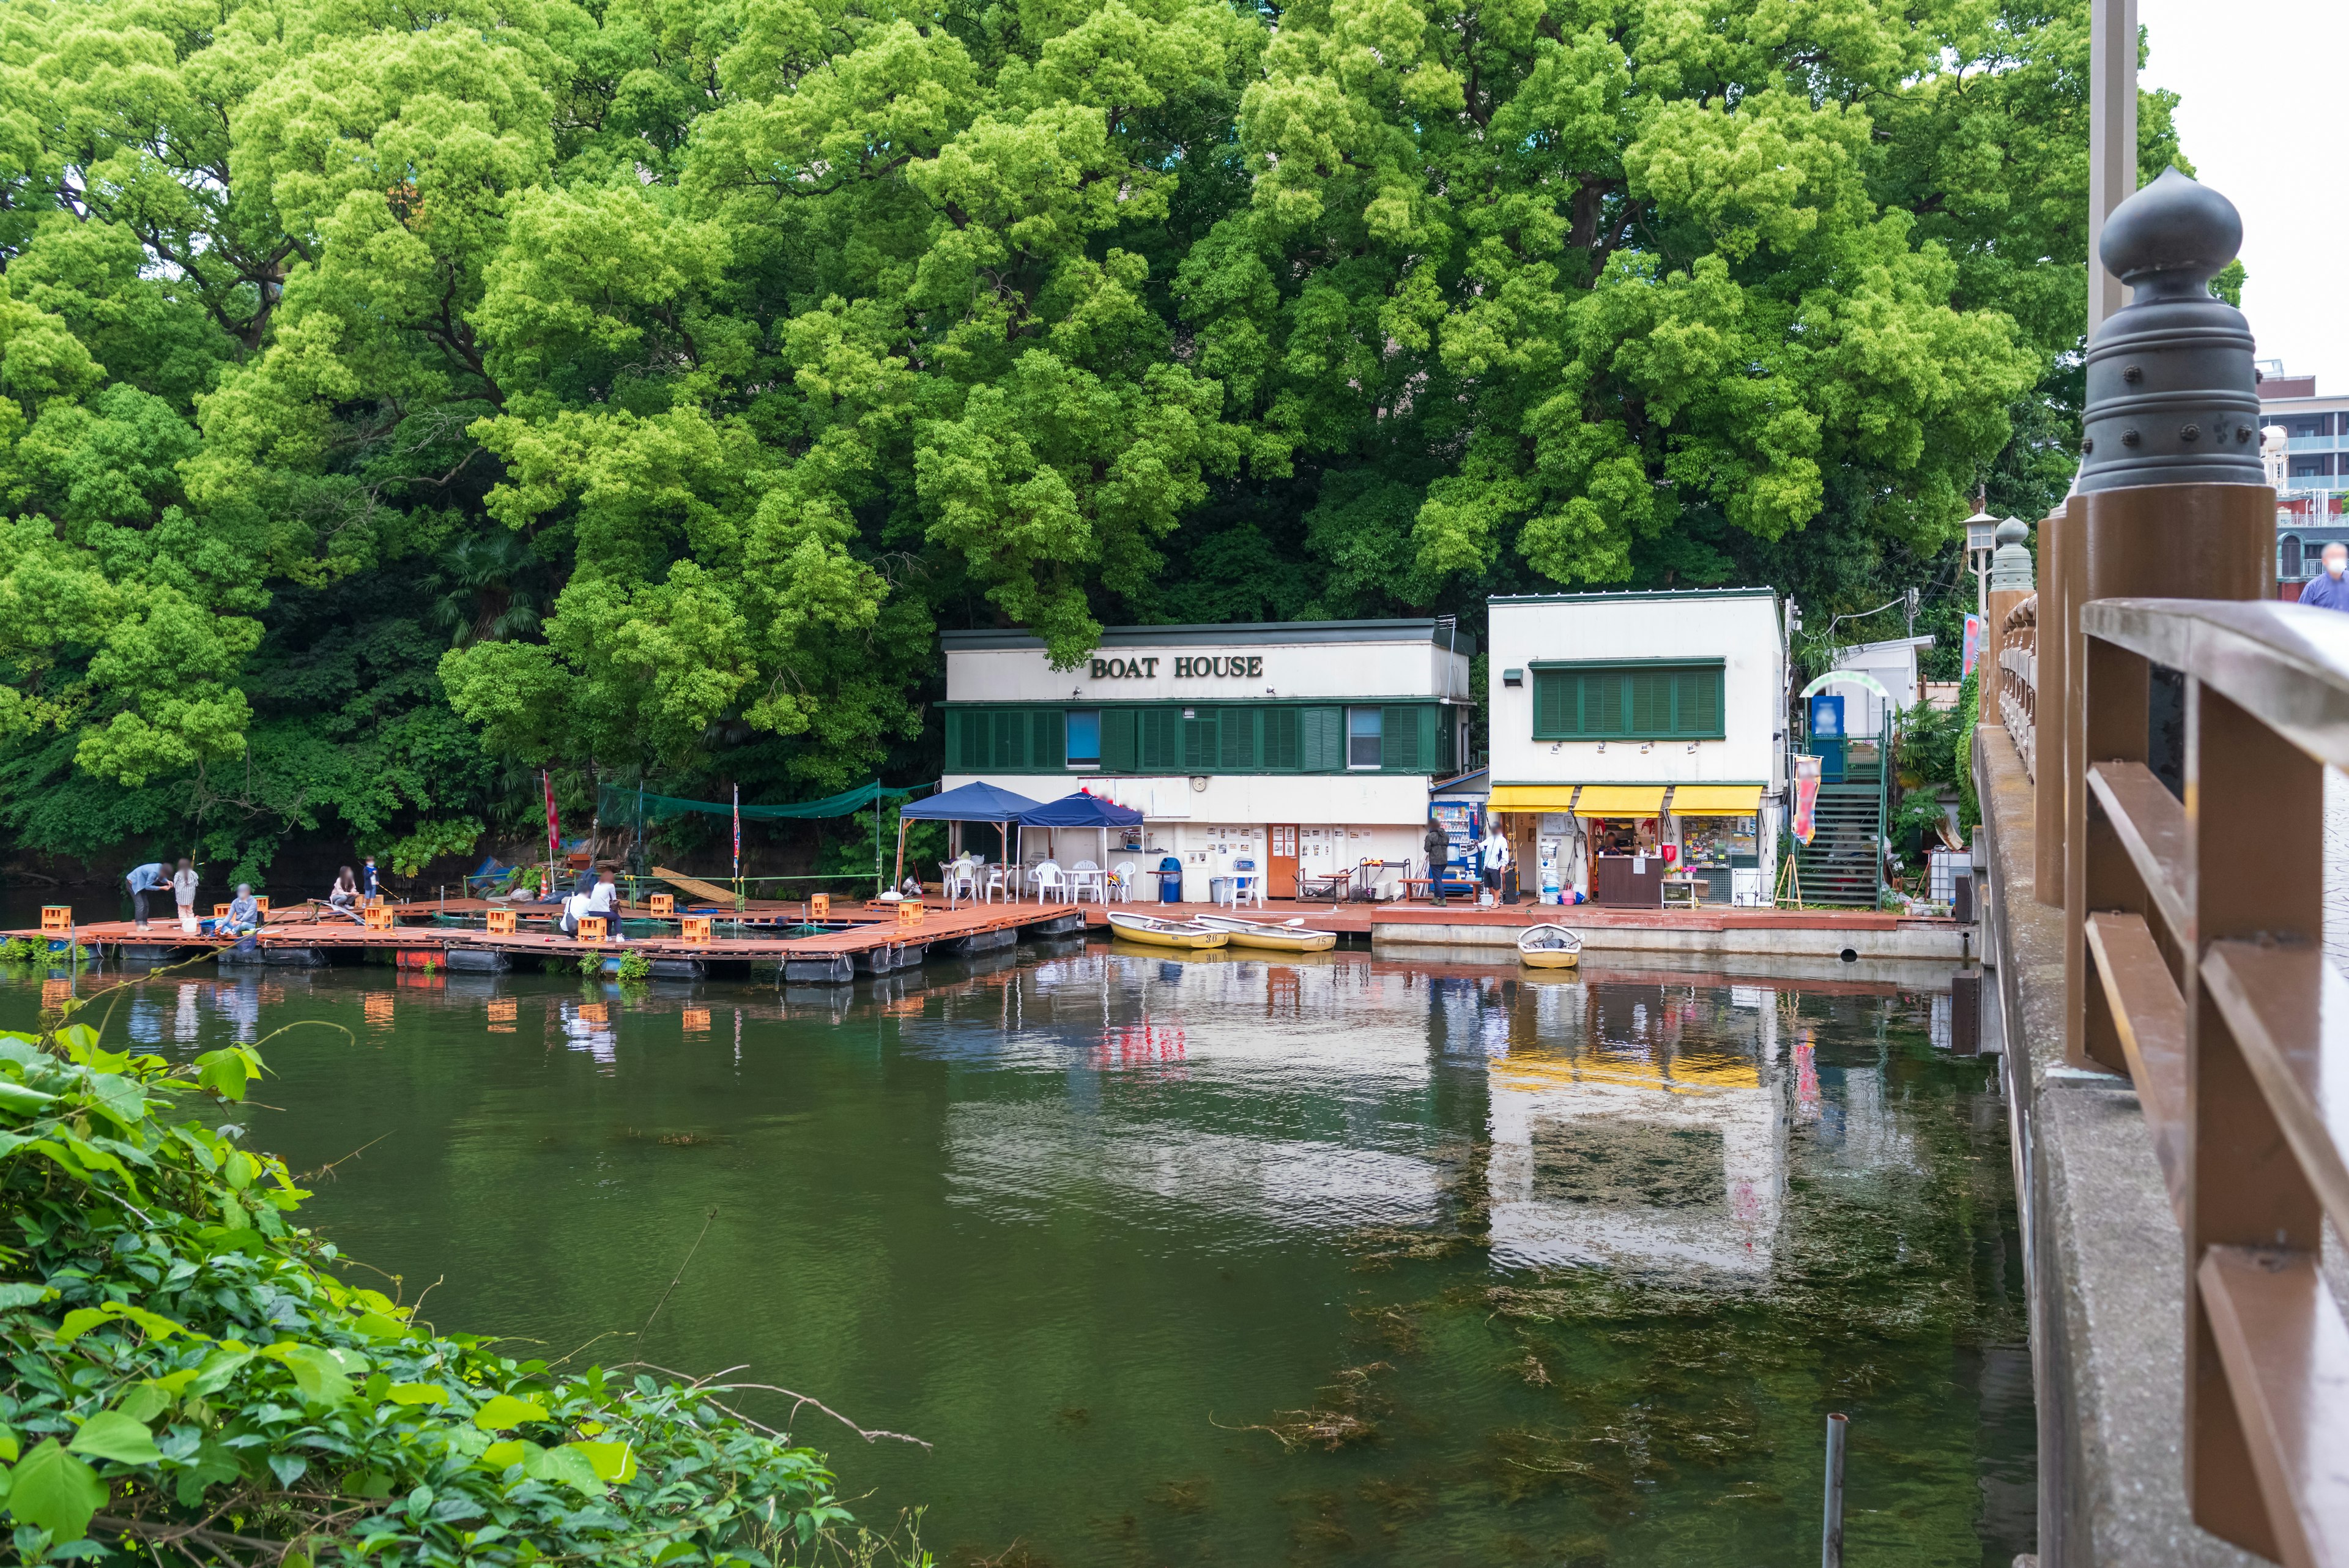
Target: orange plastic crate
591,927
819,906
56,917
663,903
262,904
502,922
220,911
379,918
697,928
910,912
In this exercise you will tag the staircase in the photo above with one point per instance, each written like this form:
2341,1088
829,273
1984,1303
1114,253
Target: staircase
1844,862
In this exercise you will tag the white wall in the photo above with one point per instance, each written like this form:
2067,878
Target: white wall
1894,666
1738,628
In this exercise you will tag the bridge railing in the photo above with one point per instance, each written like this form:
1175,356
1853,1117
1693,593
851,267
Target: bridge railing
2207,984
2018,680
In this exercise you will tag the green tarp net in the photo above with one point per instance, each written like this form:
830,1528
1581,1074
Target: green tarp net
618,804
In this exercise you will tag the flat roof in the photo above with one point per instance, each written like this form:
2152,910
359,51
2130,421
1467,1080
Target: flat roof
1228,633
1630,595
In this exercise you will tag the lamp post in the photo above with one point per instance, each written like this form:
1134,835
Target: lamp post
1981,538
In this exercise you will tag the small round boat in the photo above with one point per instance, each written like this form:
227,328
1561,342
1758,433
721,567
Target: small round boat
1549,947
1187,934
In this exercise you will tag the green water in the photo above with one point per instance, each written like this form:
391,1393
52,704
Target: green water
1345,1261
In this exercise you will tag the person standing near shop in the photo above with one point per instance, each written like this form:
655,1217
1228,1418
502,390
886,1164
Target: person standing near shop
2330,589
1496,857
1438,845
183,894
151,877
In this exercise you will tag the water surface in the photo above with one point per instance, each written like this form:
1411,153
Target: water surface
1346,1260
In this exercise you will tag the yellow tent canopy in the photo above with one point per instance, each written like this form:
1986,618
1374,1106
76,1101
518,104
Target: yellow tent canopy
1620,800
1717,800
1532,797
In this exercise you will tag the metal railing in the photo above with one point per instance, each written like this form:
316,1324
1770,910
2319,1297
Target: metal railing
2205,981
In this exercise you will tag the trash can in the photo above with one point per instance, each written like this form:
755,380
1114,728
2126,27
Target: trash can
1170,879
1217,890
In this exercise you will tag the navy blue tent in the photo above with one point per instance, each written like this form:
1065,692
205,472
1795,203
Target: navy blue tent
970,802
1082,809
975,802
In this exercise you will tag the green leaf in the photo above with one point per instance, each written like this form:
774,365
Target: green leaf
55,1490
417,1394
24,1295
218,1368
504,1411
317,1373
119,1099
15,1096
511,1452
376,1325
613,1461
223,1072
115,1435
568,1466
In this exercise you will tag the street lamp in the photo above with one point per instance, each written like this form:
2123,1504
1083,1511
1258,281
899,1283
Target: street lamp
1981,539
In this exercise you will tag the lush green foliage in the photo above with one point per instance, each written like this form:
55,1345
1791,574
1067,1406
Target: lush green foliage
1963,749
181,1369
397,400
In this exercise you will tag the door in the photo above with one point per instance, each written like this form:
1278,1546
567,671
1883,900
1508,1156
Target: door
1280,863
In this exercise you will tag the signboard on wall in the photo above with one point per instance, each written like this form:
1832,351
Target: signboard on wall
1807,799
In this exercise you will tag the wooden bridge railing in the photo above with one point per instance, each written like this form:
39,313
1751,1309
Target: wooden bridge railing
2018,680
2203,930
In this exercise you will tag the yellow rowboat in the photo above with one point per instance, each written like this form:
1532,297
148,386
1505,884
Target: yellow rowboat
1188,935
1287,937
1549,947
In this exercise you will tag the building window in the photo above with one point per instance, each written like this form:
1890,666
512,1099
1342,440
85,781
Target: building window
1365,737
2290,568
2312,466
1628,702
1084,738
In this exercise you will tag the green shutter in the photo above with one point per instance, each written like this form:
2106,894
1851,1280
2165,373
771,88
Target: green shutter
1696,701
1605,695
1651,703
1282,734
1399,746
1117,740
1049,729
1558,703
1199,742
1323,731
1236,753
1010,748
952,720
1161,739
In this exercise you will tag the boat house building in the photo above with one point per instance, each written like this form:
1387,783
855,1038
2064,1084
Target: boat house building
1638,743
1304,747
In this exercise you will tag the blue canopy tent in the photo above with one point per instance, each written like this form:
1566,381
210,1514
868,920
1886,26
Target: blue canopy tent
964,803
1083,809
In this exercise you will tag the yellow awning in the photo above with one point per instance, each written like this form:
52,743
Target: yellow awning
1717,800
1620,800
1531,797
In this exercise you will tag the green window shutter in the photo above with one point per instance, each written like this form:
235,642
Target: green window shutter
1696,701
1651,703
1282,734
1447,737
1199,742
952,720
1235,754
975,731
1323,732
1117,740
1605,695
1010,748
1558,703
1402,753
1161,739
1050,731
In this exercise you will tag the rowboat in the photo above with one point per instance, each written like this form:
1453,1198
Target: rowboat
1549,947
1289,937
1157,933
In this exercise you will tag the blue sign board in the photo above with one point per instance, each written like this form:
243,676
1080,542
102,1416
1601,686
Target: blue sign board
1827,717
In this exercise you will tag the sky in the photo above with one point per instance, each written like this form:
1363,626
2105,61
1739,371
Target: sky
2261,84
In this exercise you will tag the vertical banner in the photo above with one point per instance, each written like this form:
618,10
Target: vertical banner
738,846
1973,645
1807,799
553,841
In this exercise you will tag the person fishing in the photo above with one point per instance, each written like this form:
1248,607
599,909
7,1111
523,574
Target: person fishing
603,899
183,894
579,905
151,877
368,882
345,894
244,912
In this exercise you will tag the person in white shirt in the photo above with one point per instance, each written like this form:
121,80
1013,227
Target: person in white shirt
603,899
183,894
1496,849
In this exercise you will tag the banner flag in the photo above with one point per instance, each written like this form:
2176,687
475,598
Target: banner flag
553,838
1973,645
1807,799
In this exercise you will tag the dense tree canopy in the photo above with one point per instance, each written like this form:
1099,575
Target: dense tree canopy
399,397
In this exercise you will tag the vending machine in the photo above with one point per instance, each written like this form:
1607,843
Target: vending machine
1460,825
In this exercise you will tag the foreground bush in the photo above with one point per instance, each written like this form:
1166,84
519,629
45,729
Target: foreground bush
186,1381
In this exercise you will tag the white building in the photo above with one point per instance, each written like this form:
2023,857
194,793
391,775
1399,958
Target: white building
1306,747
1624,725
1891,664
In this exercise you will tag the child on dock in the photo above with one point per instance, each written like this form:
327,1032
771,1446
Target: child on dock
183,894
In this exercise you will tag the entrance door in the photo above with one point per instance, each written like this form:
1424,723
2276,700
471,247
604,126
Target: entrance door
1280,863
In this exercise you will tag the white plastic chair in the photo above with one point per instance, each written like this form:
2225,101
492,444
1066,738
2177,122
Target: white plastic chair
994,883
1247,884
961,879
1049,884
1086,876
1121,884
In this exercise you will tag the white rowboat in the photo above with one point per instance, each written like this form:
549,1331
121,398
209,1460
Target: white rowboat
1549,947
1157,933
1289,937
